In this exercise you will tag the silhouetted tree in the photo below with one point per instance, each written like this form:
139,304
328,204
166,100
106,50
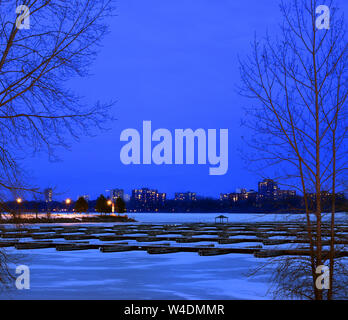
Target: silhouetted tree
120,205
102,205
81,205
39,111
299,84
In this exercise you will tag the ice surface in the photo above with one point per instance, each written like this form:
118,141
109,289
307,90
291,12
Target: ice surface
137,275
92,274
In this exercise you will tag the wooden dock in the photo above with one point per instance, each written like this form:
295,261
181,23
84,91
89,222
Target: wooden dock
263,240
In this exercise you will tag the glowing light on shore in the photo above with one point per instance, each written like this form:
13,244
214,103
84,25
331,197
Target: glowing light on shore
67,201
19,200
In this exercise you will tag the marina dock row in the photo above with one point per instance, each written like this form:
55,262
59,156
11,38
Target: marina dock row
260,239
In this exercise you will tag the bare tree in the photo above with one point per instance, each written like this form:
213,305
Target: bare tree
299,80
42,45
37,110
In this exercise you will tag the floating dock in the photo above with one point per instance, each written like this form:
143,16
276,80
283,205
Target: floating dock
263,240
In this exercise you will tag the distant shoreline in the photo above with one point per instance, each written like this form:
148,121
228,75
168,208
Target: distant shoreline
72,217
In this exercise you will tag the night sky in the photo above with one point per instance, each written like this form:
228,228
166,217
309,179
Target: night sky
173,62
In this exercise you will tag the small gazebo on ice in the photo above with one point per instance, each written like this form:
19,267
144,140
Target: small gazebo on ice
221,219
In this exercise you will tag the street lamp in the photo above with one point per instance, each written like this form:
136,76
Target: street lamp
19,201
68,202
111,203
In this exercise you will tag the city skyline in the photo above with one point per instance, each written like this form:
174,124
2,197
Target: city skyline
269,197
113,193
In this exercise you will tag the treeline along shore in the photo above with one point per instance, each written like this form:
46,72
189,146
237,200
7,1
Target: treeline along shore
200,205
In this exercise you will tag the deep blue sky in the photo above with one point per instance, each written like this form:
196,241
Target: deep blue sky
173,62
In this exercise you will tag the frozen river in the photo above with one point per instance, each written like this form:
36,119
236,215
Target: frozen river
137,275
